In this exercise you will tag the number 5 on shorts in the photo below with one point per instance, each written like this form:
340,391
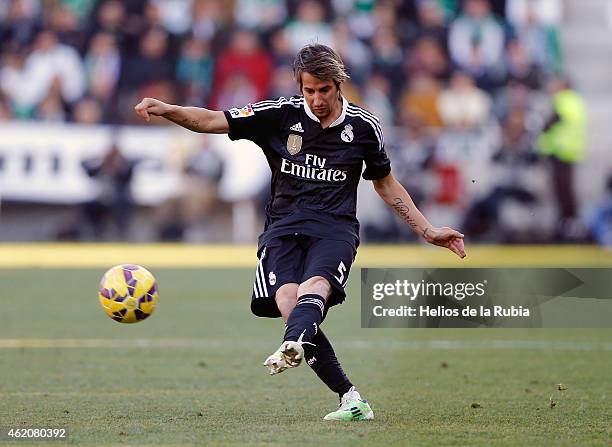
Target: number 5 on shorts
341,270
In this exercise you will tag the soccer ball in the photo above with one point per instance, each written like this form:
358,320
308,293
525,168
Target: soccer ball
128,293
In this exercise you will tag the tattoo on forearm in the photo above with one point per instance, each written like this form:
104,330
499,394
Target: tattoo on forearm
403,211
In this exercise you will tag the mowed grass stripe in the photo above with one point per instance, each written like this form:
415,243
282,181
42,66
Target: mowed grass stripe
182,255
197,343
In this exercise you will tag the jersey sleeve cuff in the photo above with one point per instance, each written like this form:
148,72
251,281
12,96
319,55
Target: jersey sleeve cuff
378,173
232,128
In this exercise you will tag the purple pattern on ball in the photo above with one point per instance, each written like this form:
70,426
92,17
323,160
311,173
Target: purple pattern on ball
119,299
130,267
131,286
105,293
153,289
127,275
140,315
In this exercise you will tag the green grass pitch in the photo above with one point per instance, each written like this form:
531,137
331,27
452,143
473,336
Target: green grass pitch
192,373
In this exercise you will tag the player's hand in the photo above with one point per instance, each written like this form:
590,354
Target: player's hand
151,106
446,237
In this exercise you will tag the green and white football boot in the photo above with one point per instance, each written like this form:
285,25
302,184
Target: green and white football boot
352,408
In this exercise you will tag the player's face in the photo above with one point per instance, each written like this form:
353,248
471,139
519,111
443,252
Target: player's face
321,96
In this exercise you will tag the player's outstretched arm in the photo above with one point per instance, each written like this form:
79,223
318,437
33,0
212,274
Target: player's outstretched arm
192,118
396,196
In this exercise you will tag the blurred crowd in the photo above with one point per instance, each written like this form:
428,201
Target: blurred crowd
479,119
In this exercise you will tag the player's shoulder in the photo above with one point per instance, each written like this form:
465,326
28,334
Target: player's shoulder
282,103
366,120
360,111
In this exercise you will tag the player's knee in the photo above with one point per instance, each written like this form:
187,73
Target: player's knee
316,285
286,299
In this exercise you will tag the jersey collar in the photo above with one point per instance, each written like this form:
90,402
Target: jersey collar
338,121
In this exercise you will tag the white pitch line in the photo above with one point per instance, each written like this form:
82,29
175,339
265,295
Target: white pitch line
201,343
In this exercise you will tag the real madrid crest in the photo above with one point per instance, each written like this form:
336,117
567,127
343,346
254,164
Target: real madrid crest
294,144
347,134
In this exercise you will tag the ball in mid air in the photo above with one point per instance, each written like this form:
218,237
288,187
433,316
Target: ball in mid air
128,293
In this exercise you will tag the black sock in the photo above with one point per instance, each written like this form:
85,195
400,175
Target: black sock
305,318
322,359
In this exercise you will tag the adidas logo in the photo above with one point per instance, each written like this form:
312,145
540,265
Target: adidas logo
297,128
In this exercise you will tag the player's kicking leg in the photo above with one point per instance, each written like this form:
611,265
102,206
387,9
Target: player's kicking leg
302,322
281,359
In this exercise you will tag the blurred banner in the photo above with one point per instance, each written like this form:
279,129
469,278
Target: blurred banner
42,163
534,297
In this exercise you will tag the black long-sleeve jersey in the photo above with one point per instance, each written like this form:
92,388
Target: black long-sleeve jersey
315,171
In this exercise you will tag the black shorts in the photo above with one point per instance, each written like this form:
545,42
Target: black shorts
294,259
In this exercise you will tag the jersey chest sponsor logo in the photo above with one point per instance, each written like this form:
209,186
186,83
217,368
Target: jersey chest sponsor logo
294,144
347,134
313,169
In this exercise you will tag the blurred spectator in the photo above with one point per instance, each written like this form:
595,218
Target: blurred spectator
50,61
110,17
87,111
521,68
21,22
102,68
546,12
195,71
64,22
539,40
415,157
207,19
51,108
6,113
420,103
175,14
81,8
283,83
153,63
517,95
10,78
511,185
237,89
355,55
308,26
601,222
376,98
360,16
201,173
282,54
113,175
463,105
427,56
262,15
563,139
476,43
385,15
431,22
387,58
244,59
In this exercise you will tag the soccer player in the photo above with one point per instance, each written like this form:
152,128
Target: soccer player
316,145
